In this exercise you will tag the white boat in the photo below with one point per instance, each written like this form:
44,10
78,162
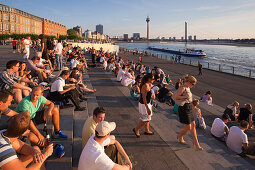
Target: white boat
192,52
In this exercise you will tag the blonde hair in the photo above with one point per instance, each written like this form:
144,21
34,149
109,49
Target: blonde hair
248,106
190,79
195,102
235,103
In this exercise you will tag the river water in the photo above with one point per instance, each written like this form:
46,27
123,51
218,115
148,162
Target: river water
241,58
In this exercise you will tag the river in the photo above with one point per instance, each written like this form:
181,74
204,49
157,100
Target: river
241,58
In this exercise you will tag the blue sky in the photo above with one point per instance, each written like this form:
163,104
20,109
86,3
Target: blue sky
206,18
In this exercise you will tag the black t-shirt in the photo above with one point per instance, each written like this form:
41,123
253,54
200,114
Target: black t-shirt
244,114
163,92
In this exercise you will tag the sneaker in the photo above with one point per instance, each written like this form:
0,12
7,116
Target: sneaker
60,135
59,150
79,108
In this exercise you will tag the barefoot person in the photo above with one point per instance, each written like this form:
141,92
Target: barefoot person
145,107
185,112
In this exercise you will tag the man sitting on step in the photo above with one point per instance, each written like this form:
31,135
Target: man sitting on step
89,128
15,154
60,91
93,155
36,105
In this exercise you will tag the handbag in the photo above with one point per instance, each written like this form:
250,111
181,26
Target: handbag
201,122
177,101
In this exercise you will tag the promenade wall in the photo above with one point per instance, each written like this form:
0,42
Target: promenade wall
107,46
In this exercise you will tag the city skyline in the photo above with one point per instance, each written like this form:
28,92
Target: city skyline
206,18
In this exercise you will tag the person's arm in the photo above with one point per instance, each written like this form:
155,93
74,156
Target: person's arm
17,164
20,86
250,120
49,110
11,113
245,146
128,163
34,129
179,93
226,130
66,90
26,80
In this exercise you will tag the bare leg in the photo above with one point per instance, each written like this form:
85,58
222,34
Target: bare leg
139,126
184,130
194,134
17,95
34,139
147,127
55,119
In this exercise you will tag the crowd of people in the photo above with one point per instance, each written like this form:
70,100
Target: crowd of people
37,95
28,85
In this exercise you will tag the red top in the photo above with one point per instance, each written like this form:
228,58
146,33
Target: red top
14,42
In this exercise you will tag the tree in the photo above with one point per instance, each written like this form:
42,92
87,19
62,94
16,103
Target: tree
72,35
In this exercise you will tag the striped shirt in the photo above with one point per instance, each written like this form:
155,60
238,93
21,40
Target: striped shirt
7,79
7,153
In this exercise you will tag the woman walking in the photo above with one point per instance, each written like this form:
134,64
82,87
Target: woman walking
145,107
184,95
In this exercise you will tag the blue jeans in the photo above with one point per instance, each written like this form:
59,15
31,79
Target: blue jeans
59,61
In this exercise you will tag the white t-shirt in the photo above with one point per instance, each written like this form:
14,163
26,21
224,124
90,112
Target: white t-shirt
120,75
93,156
218,127
58,85
27,44
236,138
74,63
59,48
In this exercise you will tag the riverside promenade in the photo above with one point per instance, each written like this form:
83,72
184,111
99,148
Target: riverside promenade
158,152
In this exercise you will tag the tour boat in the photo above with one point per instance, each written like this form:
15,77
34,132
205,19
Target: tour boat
185,52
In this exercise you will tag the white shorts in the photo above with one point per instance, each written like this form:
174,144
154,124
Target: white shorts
143,112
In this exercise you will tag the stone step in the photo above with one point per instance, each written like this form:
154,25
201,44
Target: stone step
215,154
66,125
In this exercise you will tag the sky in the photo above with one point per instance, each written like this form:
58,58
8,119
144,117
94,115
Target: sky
207,19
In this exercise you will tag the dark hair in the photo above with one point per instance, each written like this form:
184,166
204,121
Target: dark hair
145,79
208,92
64,72
18,124
123,67
35,58
97,135
59,40
98,110
243,124
4,94
225,117
11,63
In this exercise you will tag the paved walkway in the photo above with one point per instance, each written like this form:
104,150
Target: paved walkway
147,152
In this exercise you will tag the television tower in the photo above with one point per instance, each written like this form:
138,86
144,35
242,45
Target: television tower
147,20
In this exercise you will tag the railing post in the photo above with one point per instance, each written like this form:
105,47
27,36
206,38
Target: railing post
250,74
219,67
190,62
183,61
233,70
208,66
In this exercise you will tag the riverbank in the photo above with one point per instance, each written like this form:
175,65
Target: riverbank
197,42
226,88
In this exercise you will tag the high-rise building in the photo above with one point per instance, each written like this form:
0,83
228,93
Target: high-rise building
78,30
125,37
100,28
88,34
15,21
136,36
